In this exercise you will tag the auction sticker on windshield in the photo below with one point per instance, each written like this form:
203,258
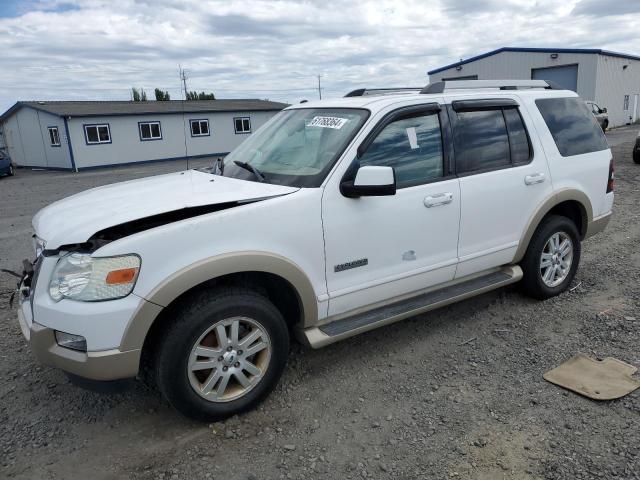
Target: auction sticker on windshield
328,122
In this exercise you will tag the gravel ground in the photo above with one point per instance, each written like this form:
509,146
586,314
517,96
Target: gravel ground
456,393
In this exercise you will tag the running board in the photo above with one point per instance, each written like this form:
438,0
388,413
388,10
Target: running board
456,291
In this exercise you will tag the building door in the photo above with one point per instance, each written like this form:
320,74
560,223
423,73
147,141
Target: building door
635,108
564,75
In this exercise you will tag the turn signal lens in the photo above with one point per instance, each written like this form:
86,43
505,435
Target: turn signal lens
118,277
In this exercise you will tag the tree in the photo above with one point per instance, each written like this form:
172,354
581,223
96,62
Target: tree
162,96
138,95
200,96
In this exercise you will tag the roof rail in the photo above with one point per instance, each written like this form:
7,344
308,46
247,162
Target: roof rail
361,92
439,87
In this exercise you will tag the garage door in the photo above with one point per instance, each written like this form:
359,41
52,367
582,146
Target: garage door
566,75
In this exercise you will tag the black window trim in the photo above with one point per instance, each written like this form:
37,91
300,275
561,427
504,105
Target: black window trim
483,104
241,132
192,120
483,107
57,130
400,114
149,122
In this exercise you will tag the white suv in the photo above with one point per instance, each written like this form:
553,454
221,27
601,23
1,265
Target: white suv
336,217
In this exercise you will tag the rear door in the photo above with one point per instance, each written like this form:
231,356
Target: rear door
503,175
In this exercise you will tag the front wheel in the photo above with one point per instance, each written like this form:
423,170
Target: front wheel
222,355
11,172
552,258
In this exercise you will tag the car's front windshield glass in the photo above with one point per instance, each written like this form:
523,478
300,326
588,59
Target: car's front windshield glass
296,147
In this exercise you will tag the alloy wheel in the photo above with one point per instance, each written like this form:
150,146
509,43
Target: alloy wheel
556,259
229,359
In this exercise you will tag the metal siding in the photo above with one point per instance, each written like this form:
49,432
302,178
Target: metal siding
56,157
613,83
126,147
564,75
13,140
518,66
30,136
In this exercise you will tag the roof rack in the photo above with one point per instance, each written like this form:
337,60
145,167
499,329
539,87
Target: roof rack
361,92
440,87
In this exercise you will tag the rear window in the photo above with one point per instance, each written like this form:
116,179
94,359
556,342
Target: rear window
573,127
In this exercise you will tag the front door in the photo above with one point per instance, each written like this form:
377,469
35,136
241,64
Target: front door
380,248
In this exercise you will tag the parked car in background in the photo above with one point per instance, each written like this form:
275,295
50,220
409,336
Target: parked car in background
601,115
6,167
335,218
636,150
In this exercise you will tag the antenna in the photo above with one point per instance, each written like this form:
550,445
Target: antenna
183,82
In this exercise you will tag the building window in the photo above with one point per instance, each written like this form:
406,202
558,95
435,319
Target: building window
95,134
242,124
54,136
626,102
199,128
150,131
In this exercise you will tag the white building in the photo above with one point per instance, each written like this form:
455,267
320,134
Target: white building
83,135
610,79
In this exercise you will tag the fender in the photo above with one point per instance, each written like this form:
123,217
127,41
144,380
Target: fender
556,198
214,267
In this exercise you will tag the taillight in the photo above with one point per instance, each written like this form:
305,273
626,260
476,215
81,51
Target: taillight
611,182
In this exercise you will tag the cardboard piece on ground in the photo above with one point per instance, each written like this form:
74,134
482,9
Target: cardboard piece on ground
606,379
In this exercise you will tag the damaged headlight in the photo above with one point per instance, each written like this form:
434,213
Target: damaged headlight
81,277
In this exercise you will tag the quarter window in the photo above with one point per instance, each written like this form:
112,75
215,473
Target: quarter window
95,134
572,126
412,146
199,128
54,136
242,124
150,130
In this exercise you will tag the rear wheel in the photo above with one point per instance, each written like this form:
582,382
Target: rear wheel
222,355
636,154
605,125
552,258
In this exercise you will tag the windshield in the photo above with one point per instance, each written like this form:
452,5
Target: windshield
296,147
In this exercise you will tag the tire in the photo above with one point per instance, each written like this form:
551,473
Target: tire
533,283
605,125
194,390
636,155
11,172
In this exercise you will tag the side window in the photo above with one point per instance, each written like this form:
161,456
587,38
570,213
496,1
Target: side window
572,126
481,141
518,139
412,146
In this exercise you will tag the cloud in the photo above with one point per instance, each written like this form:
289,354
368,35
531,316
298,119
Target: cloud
99,49
604,9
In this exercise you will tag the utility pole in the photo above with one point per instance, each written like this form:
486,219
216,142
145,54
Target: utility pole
319,87
183,77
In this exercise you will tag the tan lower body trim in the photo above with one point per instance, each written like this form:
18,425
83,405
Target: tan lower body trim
103,365
598,225
316,338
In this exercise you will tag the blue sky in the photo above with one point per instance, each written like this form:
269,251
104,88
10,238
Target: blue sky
99,49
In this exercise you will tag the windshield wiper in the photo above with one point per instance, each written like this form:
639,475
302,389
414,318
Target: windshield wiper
251,169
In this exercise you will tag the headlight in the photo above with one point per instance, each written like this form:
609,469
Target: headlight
81,277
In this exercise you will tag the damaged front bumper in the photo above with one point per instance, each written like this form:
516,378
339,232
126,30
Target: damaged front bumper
103,365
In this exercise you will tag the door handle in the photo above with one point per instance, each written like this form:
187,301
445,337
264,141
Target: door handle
534,178
438,199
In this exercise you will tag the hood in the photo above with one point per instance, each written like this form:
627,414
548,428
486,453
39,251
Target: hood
75,219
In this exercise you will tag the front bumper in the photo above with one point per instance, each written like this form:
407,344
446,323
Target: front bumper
103,365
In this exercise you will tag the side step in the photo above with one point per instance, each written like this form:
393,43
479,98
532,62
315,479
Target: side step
393,312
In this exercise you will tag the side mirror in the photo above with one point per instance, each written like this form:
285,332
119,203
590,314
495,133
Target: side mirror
603,110
370,182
